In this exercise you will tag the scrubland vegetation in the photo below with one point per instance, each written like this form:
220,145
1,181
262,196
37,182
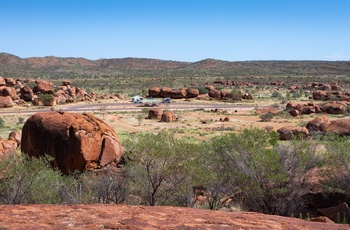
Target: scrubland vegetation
250,170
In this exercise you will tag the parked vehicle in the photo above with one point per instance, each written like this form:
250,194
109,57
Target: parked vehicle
166,100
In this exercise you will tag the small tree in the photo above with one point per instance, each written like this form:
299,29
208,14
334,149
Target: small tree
158,167
270,176
29,181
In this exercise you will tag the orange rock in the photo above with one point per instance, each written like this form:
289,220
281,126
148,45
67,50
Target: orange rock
72,139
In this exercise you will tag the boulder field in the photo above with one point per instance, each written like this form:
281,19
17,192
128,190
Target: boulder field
75,141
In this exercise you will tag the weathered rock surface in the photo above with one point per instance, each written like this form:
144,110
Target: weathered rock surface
155,113
319,124
98,216
290,132
192,93
178,94
43,87
153,91
26,93
6,147
6,102
15,136
165,92
340,126
215,94
74,140
334,108
168,116
8,91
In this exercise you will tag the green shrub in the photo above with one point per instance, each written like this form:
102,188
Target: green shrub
46,98
160,166
266,117
269,175
202,90
29,181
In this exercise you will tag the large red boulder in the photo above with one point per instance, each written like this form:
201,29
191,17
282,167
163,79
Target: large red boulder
290,132
15,136
334,108
154,92
215,94
6,102
319,95
165,92
10,81
192,93
75,141
291,105
6,147
178,94
26,93
168,116
155,113
319,124
340,126
44,87
8,91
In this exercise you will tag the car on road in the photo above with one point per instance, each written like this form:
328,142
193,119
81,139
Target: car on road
166,100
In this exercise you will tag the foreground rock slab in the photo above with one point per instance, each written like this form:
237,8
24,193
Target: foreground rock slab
98,216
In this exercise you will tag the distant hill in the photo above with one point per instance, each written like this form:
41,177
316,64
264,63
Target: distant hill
11,65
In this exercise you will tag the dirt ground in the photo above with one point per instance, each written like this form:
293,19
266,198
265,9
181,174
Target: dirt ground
200,124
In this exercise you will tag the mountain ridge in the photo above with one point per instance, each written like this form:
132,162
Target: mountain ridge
14,65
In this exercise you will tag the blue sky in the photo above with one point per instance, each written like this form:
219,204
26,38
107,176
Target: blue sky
181,30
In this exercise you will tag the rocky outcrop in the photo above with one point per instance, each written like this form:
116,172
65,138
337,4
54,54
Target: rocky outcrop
10,145
155,113
290,132
154,92
334,108
319,124
10,81
73,140
168,116
165,92
215,94
6,147
6,102
43,87
339,126
66,83
15,136
192,93
178,94
8,91
26,93
319,95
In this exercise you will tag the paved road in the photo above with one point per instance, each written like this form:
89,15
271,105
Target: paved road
127,106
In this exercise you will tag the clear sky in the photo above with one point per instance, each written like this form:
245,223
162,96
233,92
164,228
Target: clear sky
181,30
